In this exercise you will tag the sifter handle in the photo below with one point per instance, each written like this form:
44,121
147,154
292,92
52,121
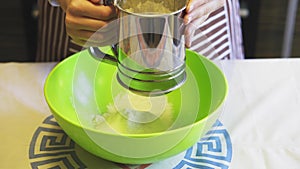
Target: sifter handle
97,54
107,2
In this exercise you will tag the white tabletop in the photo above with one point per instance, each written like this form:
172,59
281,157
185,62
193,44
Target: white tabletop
262,113
261,117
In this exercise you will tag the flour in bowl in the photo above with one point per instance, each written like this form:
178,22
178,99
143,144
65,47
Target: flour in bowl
134,114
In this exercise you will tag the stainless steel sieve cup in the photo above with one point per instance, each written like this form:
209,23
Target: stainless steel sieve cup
150,53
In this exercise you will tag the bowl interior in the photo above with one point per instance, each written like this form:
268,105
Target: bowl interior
81,89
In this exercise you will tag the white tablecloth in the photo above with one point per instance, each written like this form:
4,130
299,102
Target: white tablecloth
261,115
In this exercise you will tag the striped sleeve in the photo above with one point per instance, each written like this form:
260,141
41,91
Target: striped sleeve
219,37
53,41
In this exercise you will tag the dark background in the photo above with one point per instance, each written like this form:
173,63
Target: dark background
18,30
263,29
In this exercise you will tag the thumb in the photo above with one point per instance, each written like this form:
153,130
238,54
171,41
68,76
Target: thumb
190,29
95,1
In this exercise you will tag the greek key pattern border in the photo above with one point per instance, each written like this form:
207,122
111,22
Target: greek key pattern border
50,147
213,151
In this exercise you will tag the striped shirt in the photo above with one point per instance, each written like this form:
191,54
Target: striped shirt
219,37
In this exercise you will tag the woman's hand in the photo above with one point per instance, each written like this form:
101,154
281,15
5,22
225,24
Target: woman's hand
84,18
197,12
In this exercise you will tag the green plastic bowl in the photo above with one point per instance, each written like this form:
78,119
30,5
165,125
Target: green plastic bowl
80,87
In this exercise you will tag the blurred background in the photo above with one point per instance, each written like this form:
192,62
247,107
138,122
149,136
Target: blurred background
271,29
